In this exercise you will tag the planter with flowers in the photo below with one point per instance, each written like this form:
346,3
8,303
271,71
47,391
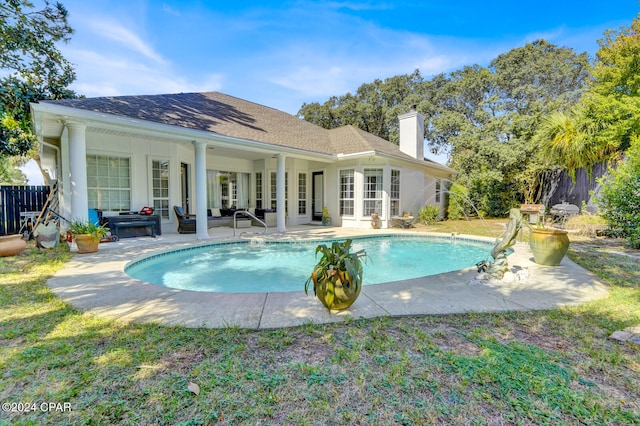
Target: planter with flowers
87,235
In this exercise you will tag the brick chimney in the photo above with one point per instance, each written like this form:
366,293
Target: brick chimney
412,133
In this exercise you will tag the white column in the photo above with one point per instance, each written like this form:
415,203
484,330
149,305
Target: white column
78,169
280,201
201,190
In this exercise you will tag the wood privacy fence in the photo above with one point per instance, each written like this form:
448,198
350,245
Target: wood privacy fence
19,199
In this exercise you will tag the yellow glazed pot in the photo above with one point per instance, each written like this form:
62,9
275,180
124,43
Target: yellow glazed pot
548,246
337,292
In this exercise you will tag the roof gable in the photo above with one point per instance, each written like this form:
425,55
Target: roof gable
350,140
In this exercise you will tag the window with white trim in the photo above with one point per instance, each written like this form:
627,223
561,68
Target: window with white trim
438,190
259,190
347,192
302,194
372,192
160,187
109,182
394,195
274,190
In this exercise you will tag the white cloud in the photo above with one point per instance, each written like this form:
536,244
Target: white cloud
314,81
319,68
169,10
32,172
211,83
125,37
107,74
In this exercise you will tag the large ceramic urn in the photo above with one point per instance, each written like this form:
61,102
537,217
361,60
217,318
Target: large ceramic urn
548,245
337,291
11,245
87,243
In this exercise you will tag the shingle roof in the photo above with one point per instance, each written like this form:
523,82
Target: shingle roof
230,116
350,139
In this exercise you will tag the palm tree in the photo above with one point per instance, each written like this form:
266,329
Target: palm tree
569,140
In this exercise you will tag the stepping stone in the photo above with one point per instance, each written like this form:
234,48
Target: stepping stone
621,336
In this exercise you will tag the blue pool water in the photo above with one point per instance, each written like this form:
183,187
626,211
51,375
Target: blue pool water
280,266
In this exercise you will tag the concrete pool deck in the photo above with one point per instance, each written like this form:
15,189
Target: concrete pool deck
96,284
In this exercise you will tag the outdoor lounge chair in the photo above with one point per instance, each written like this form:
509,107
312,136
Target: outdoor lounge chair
186,222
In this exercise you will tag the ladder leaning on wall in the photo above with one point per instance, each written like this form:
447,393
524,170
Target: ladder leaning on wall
50,209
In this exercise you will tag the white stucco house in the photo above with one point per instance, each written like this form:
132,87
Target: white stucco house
210,150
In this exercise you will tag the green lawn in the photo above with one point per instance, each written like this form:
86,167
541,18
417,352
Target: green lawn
550,367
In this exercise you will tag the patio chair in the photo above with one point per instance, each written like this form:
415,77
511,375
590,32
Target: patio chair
186,222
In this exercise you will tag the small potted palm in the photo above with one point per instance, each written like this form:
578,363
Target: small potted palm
337,278
87,235
326,219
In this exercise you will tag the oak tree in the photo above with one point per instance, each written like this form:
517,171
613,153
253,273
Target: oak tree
32,66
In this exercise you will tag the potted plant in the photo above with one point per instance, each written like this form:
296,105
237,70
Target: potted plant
337,278
376,223
548,245
11,245
326,219
87,235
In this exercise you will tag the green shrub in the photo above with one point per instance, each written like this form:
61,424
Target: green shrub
619,199
429,214
634,238
458,198
78,227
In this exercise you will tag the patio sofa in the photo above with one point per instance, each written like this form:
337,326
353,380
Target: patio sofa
224,217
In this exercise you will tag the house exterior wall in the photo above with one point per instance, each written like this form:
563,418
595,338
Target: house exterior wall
417,187
140,153
413,191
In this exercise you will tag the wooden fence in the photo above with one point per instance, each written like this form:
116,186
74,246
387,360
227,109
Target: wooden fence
19,199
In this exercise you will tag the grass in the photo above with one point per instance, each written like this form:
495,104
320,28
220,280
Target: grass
544,367
487,227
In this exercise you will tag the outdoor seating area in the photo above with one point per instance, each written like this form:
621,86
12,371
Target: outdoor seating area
133,225
215,218
403,222
561,212
224,217
534,213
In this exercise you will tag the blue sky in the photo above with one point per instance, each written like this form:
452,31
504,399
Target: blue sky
283,54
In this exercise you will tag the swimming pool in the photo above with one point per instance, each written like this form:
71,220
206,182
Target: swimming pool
243,267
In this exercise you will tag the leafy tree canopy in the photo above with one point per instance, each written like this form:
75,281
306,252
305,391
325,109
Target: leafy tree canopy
607,117
374,107
484,117
33,66
613,99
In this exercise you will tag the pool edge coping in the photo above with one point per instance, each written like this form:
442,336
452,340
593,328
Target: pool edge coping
98,285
